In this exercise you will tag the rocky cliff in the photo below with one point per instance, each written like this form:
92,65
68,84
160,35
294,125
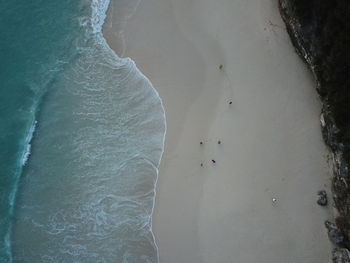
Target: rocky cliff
320,33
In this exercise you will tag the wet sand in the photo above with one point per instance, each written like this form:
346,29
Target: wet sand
271,145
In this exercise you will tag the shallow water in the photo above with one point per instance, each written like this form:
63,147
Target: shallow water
31,58
87,191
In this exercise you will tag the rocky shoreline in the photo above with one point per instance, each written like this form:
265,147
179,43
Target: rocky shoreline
320,33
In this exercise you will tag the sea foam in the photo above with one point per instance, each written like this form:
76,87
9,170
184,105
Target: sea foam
90,187
28,140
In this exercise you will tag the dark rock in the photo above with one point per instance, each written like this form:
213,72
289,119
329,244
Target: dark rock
344,225
320,33
340,255
322,198
334,233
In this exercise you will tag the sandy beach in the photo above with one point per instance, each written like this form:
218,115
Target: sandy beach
257,202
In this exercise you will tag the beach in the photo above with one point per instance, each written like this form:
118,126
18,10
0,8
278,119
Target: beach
229,77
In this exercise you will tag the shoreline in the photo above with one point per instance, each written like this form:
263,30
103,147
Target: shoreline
219,213
165,124
81,200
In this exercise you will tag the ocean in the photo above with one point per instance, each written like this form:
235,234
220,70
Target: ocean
81,137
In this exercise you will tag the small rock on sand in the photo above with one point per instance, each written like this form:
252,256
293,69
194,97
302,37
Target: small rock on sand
335,235
340,255
322,198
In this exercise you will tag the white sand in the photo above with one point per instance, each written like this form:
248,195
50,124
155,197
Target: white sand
271,140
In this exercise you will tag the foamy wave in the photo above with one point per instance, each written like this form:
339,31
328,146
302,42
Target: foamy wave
23,161
99,10
13,193
28,140
98,15
111,156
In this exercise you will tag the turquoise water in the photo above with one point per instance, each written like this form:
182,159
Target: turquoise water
82,134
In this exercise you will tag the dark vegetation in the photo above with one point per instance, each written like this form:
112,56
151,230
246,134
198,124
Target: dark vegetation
320,33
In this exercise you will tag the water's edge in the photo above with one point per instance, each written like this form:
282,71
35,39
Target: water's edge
99,9
164,137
